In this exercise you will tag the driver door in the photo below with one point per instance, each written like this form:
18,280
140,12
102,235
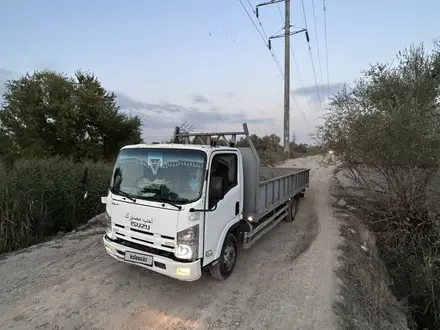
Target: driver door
224,164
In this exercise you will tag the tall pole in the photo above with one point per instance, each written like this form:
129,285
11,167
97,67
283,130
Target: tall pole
287,77
287,33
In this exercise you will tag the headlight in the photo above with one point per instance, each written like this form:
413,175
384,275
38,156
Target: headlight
188,243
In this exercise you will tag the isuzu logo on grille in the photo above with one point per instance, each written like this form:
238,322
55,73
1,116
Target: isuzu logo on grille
140,223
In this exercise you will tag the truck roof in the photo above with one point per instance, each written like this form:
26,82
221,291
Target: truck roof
178,146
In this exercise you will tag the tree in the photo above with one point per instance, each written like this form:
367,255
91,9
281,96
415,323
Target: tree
268,148
389,123
391,116
386,131
47,113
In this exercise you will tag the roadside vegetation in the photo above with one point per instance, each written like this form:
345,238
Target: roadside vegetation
385,131
51,126
366,300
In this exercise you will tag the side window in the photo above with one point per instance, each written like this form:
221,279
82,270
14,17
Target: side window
225,165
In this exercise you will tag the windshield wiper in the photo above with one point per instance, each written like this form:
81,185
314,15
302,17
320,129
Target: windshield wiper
158,199
122,193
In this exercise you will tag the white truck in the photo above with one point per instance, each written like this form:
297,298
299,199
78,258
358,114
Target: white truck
181,208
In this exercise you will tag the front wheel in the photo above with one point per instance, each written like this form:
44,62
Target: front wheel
228,258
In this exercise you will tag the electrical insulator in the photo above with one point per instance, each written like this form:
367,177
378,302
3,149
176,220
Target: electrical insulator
307,36
256,12
269,44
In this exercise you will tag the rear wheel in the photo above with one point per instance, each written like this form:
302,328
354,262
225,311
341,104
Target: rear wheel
292,210
228,258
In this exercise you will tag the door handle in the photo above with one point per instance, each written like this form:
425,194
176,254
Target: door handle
237,208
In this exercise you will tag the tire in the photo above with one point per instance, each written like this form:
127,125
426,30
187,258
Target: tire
293,207
228,258
302,194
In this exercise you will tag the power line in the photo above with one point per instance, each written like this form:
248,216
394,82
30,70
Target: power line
311,55
275,58
258,19
281,13
255,25
326,48
317,42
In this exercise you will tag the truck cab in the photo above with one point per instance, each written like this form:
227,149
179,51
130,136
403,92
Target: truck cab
171,206
177,209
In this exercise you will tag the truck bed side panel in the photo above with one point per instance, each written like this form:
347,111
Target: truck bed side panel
266,188
277,190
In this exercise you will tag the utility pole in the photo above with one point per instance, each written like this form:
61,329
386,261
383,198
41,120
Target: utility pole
287,77
286,35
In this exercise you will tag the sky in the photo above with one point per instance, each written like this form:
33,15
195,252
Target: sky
203,61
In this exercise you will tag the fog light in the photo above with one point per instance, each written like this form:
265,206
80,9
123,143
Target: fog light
110,249
184,271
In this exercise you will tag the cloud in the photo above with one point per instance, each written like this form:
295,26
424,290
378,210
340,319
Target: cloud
127,102
325,91
231,95
165,115
199,99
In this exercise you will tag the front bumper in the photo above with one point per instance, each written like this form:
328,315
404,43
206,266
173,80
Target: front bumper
184,271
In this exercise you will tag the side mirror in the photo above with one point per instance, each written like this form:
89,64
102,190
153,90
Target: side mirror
216,188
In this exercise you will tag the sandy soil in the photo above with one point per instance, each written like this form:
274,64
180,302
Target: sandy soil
285,281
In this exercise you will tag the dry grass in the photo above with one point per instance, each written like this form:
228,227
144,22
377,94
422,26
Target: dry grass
365,299
404,219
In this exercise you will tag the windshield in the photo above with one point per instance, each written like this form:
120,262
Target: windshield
174,175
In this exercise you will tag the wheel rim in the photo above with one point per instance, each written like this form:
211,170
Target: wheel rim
229,257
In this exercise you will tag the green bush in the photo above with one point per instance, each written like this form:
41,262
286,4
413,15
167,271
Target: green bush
40,197
385,131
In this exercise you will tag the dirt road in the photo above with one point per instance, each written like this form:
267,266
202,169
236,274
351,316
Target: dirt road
71,283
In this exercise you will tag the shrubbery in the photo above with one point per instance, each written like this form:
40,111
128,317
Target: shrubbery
385,130
39,197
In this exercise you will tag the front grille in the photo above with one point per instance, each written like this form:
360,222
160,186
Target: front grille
145,238
144,248
147,249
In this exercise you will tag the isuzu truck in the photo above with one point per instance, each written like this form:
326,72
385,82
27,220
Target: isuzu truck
183,207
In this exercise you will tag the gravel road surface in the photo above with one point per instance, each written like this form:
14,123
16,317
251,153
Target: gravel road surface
285,281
